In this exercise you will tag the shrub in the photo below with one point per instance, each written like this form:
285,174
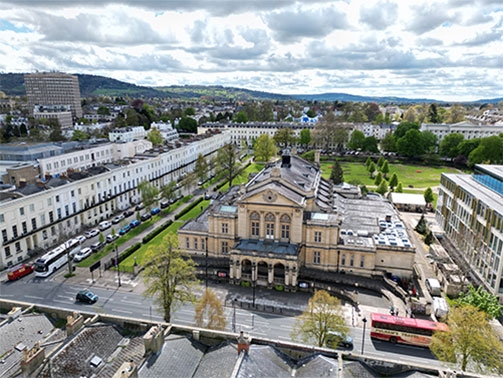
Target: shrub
279,288
188,208
128,252
245,283
156,232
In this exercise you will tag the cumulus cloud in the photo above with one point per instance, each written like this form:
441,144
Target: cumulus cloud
427,18
379,16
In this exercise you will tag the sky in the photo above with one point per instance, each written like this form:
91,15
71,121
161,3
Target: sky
448,50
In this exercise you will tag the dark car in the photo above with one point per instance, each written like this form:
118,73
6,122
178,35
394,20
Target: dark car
124,230
337,339
146,216
97,246
134,223
128,213
86,296
155,211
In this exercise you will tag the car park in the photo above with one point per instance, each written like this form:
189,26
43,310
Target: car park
104,225
86,296
111,238
19,271
82,254
337,339
124,230
128,213
118,218
146,216
155,211
81,238
91,233
134,223
97,246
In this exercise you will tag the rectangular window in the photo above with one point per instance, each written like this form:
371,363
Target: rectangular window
317,257
32,208
42,219
352,260
255,228
21,211
51,217
225,247
187,243
59,213
317,237
33,223
7,251
44,235
4,236
53,231
18,247
343,260
362,261
2,218
25,229
49,202
67,210
202,244
269,230
57,198
285,231
225,228
14,231
195,243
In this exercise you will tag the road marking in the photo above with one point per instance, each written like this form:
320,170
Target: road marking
189,322
124,312
130,302
33,297
57,300
152,316
7,295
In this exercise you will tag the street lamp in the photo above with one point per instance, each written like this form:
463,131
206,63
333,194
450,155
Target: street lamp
234,315
254,281
364,320
206,247
117,265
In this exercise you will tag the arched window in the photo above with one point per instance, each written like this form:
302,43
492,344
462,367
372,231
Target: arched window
285,226
255,224
269,226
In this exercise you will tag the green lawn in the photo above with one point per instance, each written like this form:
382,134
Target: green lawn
413,176
243,176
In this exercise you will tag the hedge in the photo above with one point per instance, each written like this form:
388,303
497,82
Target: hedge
188,208
124,255
156,232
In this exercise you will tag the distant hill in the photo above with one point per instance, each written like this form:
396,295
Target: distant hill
12,84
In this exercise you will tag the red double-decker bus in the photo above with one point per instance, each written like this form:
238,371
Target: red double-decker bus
397,329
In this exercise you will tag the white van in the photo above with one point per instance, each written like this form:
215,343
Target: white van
433,287
104,225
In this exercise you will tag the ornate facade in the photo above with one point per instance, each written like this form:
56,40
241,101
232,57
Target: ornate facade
288,219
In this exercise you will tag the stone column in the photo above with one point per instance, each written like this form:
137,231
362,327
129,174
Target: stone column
270,275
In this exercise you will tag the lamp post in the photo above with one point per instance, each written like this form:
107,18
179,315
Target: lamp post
364,320
254,280
206,247
117,265
234,315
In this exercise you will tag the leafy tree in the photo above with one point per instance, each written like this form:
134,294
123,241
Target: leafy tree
188,125
430,141
168,276
357,140
468,145
132,118
367,162
364,190
337,175
370,144
372,168
265,112
201,168
449,146
488,151
323,315
227,162
388,143
382,188
209,312
284,136
148,193
393,181
470,342
428,239
399,188
305,137
329,132
411,144
433,116
403,127
483,300
154,136
428,195
168,191
380,161
56,134
79,135
264,148
410,114
378,179
103,110
421,226
311,113
385,168
371,111
101,238
456,114
241,117
190,111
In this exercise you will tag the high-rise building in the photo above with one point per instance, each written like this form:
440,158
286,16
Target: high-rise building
49,90
470,210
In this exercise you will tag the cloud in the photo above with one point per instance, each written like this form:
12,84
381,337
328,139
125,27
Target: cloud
290,26
429,17
483,39
379,16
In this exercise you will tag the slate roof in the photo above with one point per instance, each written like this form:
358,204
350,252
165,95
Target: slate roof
317,366
277,188
218,362
265,361
265,247
22,332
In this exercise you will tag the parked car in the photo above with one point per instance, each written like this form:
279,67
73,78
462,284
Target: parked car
118,218
155,211
134,223
19,271
97,246
104,225
82,254
124,230
86,296
146,216
81,238
164,204
337,339
128,213
112,237
91,233
139,207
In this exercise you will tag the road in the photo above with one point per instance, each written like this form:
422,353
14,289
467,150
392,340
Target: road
49,292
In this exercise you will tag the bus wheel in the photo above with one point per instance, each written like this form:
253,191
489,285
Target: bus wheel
392,340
